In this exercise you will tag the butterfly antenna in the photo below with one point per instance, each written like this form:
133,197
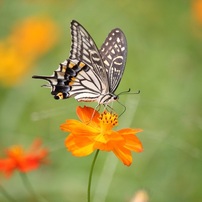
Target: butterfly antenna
128,92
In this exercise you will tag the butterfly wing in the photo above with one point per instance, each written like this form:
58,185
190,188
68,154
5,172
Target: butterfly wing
114,54
83,75
84,49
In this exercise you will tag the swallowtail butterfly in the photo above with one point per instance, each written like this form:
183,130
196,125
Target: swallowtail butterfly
90,74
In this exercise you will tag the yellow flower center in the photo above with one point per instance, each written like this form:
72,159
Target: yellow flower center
107,122
108,119
16,152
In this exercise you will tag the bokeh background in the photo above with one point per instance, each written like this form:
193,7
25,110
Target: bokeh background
164,62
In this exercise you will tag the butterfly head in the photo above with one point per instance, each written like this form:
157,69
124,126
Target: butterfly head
114,97
107,98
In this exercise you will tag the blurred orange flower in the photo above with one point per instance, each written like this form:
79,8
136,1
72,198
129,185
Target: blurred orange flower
30,39
34,36
197,10
24,161
94,131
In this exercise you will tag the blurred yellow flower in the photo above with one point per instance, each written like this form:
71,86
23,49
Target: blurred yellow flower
30,39
12,65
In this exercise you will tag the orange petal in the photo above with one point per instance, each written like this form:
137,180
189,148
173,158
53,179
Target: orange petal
33,161
133,143
124,155
79,146
103,146
70,125
78,128
7,166
109,141
88,115
128,131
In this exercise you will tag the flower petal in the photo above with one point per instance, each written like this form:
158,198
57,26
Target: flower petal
131,141
71,125
7,166
129,131
88,115
108,141
21,160
124,155
78,128
79,146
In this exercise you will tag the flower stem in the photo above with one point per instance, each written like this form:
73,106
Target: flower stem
91,174
6,194
28,185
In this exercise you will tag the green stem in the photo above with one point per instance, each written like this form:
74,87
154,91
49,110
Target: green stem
6,194
28,185
91,174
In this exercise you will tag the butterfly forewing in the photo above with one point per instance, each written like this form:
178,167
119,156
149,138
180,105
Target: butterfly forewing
114,54
85,50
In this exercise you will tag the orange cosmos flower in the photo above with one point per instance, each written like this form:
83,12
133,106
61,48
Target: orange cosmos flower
24,161
94,131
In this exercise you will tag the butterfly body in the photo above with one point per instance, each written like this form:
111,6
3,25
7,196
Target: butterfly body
90,75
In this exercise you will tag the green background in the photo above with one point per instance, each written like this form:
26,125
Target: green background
164,62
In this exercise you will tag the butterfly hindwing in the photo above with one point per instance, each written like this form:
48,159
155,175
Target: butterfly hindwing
114,54
86,86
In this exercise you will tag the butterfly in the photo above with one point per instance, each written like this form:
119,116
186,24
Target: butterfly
90,74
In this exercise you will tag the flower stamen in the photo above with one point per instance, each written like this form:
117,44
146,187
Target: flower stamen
108,118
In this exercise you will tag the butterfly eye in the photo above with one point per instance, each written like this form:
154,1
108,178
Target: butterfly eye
115,97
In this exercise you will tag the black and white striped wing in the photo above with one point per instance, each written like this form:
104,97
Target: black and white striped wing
82,76
114,54
86,86
84,49
73,79
89,75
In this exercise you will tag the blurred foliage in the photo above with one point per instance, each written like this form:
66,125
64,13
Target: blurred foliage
164,62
